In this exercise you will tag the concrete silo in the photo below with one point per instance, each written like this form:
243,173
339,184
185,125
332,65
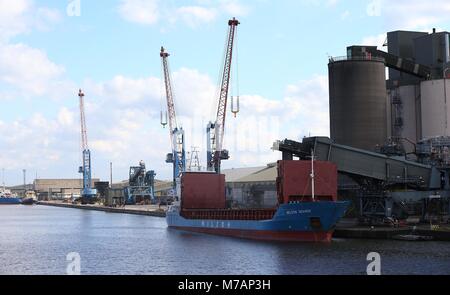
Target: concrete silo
358,101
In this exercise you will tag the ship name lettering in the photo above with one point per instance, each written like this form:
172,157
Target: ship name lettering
304,211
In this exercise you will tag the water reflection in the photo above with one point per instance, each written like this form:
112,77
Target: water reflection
36,240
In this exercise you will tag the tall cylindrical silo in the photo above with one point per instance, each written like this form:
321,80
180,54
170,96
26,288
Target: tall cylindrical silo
358,109
435,109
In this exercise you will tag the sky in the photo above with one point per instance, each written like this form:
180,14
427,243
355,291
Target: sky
51,48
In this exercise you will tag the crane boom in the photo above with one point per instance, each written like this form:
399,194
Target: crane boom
169,93
178,155
84,142
223,98
87,192
215,139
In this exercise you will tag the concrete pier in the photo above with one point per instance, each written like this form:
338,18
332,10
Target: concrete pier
346,229
148,210
349,229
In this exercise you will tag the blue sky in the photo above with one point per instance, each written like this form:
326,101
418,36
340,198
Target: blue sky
284,40
111,51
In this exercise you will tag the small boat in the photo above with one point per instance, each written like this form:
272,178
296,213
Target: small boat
6,198
27,201
412,238
30,198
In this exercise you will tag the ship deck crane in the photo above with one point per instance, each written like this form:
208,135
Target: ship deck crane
87,192
215,130
178,155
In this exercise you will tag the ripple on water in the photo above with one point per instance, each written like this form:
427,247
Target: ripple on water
36,240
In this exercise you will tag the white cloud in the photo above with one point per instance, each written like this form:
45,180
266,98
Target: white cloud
33,142
308,105
413,14
140,11
123,113
66,117
196,15
27,68
345,15
234,8
129,91
46,18
12,21
374,8
151,12
377,40
194,92
331,3
303,111
21,16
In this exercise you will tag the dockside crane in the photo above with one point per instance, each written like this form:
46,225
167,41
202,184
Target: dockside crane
87,192
178,155
215,130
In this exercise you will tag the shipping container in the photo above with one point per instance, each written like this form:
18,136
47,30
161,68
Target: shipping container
294,181
202,190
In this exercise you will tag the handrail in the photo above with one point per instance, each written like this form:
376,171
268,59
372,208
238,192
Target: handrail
356,58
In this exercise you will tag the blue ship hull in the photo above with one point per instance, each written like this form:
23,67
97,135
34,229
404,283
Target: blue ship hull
303,221
10,201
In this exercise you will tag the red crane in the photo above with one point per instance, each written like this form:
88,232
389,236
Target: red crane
215,131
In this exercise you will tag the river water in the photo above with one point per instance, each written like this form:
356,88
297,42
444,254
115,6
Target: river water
37,239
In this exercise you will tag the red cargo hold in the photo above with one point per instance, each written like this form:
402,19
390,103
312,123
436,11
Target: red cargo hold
202,191
294,181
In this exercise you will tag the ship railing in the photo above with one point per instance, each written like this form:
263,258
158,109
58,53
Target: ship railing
229,214
356,58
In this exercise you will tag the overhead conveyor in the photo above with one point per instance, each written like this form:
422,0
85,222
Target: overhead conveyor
362,163
391,61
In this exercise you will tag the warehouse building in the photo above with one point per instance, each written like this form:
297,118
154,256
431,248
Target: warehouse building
251,187
58,188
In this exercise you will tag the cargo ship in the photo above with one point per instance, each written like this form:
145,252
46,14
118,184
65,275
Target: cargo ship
6,198
307,210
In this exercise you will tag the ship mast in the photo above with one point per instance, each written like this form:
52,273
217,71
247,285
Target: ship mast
3,179
312,176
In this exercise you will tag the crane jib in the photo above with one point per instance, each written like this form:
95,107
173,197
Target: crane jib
215,152
177,157
87,192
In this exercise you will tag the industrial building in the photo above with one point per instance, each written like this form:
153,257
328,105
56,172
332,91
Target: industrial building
390,136
251,187
59,188
369,112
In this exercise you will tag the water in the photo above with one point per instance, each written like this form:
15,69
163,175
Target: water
36,240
